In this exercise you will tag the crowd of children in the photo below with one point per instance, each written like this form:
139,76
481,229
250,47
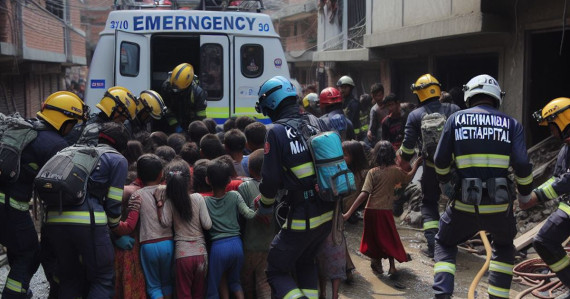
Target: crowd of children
190,229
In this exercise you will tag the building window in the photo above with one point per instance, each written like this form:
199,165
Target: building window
212,70
55,7
129,60
251,60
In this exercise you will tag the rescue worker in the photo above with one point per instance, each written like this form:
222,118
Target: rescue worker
330,101
117,105
59,113
288,165
350,104
79,235
185,99
311,104
483,143
427,89
555,115
149,106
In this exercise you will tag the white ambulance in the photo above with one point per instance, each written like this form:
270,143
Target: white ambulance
233,53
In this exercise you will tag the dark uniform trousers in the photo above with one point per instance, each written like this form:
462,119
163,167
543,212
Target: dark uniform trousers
458,224
18,234
549,239
83,249
430,203
293,251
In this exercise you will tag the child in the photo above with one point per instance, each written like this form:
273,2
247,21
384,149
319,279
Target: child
129,279
199,184
380,238
190,216
226,253
257,236
157,246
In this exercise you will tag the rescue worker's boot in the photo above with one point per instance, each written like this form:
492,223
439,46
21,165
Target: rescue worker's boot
442,296
430,238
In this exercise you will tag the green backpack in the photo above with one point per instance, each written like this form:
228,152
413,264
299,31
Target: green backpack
15,134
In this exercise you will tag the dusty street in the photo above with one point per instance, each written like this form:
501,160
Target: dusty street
416,276
415,279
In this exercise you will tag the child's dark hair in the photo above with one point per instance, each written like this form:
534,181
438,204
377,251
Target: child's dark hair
211,125
190,152
196,130
243,121
149,167
255,135
234,140
199,176
358,159
211,147
177,175
229,124
144,138
165,152
384,153
255,162
219,174
158,138
134,151
230,162
176,141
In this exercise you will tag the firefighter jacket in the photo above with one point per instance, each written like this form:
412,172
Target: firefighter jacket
34,156
352,112
559,183
104,196
483,142
413,131
185,106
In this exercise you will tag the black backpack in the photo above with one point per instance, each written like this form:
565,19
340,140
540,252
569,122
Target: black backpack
15,134
64,179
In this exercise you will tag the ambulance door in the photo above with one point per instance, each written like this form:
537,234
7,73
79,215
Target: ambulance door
132,61
214,75
256,60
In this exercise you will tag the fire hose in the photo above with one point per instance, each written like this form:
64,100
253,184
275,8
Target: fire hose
541,281
475,282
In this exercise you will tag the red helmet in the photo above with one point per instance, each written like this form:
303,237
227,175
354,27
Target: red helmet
329,96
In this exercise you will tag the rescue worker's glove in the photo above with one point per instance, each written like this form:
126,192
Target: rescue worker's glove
125,242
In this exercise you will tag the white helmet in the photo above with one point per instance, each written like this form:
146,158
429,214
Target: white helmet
484,84
345,80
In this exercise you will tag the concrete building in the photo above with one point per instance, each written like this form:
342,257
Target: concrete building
521,43
296,23
39,39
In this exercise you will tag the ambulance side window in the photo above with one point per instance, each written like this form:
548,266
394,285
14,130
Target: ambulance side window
129,64
211,70
251,60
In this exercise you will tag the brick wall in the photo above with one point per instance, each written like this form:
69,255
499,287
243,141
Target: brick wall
42,31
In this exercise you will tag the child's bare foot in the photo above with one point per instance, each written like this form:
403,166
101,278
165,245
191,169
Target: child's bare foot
393,274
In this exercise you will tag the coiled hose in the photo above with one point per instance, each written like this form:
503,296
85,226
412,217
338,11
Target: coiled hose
536,274
475,282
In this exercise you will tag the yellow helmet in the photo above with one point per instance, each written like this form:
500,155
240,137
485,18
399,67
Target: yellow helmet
182,75
118,99
426,87
556,112
151,102
62,106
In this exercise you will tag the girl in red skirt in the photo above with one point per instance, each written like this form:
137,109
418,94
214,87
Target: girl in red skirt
382,185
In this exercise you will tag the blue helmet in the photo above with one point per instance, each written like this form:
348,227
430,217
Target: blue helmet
272,92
